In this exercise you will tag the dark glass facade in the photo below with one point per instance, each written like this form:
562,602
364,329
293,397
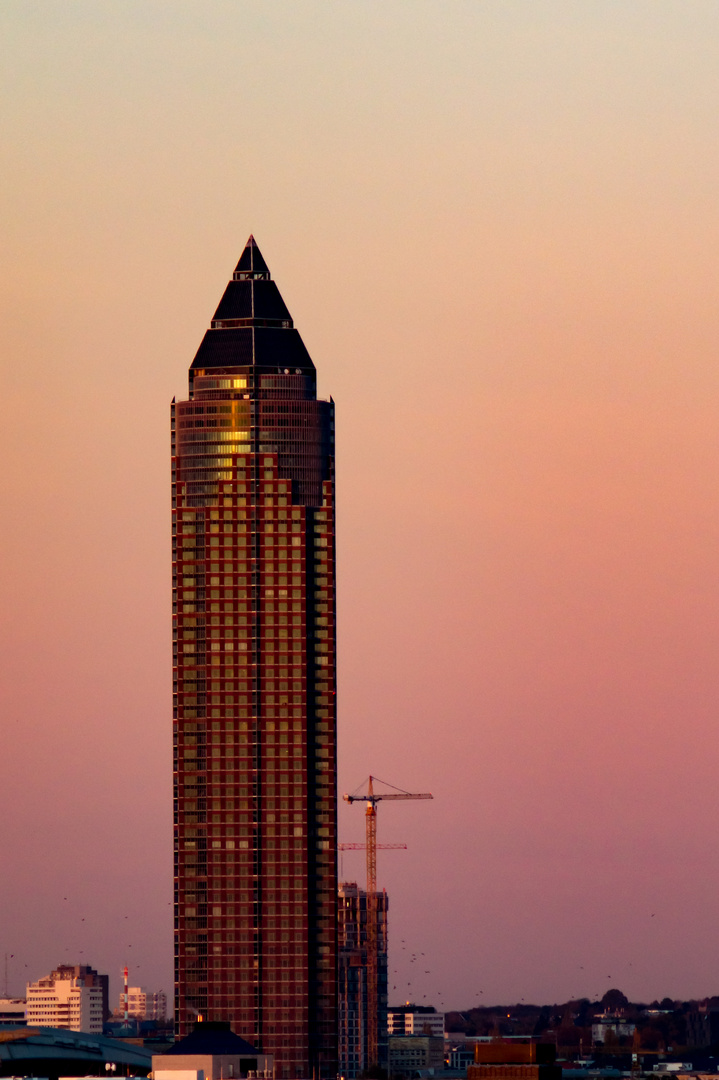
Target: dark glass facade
254,684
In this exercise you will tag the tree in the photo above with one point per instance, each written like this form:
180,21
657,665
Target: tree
651,1038
614,1000
568,1036
542,1021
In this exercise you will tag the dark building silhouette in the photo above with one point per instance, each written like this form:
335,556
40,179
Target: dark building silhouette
354,1057
703,1025
254,656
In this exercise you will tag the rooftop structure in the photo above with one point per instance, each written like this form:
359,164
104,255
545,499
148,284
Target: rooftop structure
215,1052
52,1053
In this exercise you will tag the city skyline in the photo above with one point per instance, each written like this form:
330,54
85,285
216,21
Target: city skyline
496,227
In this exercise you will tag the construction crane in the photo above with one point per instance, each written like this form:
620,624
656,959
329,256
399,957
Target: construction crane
379,847
363,847
371,798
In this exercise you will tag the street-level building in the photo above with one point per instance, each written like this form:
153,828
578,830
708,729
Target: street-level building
514,1059
211,1051
410,1053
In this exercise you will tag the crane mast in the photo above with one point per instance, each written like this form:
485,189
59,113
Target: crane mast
372,942
371,798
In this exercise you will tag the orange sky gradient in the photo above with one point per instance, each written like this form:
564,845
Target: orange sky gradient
496,228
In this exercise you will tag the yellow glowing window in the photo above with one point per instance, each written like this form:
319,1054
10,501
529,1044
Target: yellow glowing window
232,384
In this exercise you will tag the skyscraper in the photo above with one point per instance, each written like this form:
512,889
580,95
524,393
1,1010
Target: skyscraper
254,656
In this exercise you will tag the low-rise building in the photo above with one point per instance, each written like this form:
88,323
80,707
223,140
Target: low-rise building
142,1004
12,1012
136,1002
459,1057
156,1006
409,1054
611,1022
502,1059
211,1051
415,1020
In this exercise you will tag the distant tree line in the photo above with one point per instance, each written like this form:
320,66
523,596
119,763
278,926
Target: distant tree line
659,1025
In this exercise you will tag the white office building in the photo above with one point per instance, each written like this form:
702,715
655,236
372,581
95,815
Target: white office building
415,1020
65,1002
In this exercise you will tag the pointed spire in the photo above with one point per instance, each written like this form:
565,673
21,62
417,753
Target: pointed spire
251,263
252,324
251,296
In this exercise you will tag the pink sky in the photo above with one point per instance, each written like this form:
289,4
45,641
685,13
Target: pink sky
496,228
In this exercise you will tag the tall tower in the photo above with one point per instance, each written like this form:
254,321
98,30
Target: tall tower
254,690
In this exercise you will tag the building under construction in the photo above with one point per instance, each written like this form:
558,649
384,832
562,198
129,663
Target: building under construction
375,927
355,1026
